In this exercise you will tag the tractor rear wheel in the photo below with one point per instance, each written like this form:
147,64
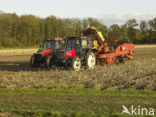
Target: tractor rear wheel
32,61
76,63
90,60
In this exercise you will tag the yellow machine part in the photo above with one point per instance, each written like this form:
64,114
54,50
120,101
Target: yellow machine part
99,33
131,57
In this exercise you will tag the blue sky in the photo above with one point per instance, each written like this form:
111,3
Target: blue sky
81,8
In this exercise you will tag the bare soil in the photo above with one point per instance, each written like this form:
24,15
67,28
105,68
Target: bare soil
140,73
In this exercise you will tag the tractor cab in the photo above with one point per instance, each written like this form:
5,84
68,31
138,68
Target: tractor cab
50,45
77,46
74,46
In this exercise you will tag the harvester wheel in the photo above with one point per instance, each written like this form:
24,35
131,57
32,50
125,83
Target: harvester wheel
32,61
121,59
90,60
48,62
76,63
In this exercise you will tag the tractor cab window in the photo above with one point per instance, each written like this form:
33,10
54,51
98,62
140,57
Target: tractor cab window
69,44
84,43
58,44
95,44
48,44
73,43
77,42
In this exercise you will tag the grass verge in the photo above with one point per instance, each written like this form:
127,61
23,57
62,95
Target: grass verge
73,101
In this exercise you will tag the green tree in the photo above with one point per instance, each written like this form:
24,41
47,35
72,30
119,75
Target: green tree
115,32
132,31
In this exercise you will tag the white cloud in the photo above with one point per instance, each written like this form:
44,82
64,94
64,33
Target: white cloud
109,19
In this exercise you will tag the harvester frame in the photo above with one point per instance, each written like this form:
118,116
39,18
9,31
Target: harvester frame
108,53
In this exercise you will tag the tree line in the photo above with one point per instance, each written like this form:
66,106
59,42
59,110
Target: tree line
25,30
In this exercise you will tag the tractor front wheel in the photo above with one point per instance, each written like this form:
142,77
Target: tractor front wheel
90,60
76,63
32,61
48,62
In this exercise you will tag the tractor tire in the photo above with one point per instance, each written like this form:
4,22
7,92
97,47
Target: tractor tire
48,63
32,61
122,59
42,65
90,60
76,63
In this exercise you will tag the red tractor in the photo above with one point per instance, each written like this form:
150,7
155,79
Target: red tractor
43,55
78,51
86,51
